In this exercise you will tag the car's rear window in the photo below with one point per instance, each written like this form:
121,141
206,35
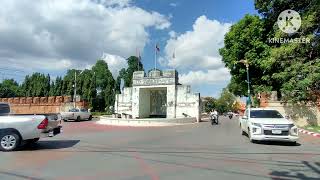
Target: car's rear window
4,109
265,114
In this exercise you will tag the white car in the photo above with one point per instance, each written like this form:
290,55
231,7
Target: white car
16,129
267,125
76,114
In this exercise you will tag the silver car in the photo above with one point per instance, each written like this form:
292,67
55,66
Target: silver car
76,114
19,129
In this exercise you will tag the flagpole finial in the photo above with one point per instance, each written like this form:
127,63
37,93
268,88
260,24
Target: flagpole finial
156,51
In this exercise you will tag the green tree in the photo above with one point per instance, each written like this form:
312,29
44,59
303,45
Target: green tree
86,86
58,87
297,65
36,85
246,40
52,89
134,64
209,104
291,69
225,102
105,85
9,88
69,82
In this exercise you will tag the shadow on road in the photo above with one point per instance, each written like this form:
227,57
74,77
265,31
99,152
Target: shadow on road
19,176
298,171
299,174
47,145
276,143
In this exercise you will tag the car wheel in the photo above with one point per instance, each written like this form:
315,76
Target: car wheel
9,141
241,131
249,136
78,119
90,118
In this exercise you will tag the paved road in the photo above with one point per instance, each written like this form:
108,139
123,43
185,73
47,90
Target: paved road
90,151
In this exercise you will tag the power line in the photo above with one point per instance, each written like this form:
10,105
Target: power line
12,70
7,73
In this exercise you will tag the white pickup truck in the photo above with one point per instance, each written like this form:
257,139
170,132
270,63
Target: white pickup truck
76,114
16,130
267,125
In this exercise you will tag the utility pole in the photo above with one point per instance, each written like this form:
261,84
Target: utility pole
75,89
246,63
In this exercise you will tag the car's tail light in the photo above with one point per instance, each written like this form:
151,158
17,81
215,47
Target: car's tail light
44,124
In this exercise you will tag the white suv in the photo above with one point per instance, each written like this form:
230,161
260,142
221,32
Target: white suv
267,125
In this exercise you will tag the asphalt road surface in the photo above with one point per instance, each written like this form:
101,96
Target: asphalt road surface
86,150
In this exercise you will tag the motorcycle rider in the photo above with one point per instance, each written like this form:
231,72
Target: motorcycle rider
214,116
230,115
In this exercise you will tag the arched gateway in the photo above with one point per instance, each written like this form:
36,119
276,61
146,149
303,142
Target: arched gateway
158,95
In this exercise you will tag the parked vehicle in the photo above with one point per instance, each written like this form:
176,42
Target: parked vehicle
16,130
267,124
76,114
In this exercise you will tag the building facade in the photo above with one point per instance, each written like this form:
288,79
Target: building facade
158,95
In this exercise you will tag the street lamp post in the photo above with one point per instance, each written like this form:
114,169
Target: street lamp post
246,63
75,89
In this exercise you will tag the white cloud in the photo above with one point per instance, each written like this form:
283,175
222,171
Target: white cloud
173,4
29,63
197,52
198,48
205,77
120,3
60,34
115,63
172,34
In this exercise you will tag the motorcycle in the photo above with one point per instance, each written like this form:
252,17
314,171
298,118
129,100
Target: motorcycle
214,119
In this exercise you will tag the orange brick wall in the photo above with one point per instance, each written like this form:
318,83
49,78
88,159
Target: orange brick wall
265,98
40,105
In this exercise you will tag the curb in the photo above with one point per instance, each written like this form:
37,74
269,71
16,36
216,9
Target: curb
140,122
110,123
309,133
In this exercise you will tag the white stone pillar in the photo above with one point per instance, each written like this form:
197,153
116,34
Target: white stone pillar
171,101
135,102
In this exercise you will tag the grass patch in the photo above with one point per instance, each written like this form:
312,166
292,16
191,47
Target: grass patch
100,113
312,128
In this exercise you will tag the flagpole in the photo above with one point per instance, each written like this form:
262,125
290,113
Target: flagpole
155,57
138,56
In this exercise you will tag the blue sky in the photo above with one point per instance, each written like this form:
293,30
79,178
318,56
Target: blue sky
183,15
51,36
